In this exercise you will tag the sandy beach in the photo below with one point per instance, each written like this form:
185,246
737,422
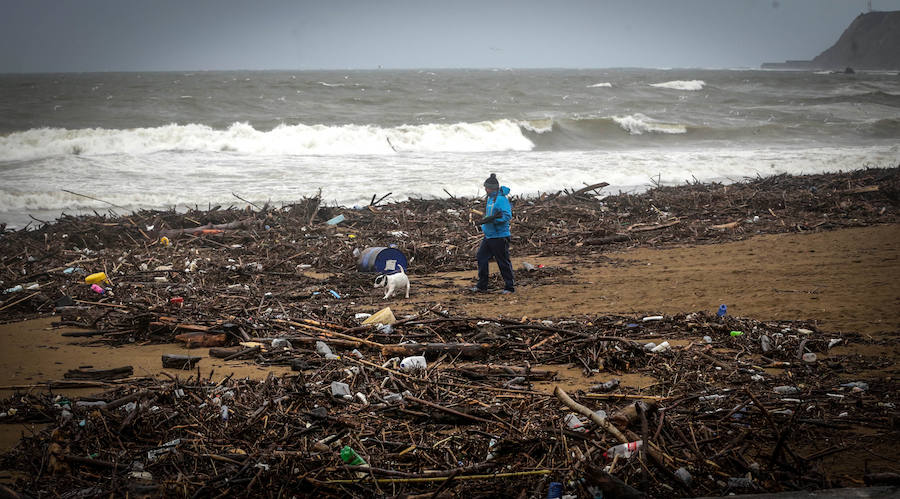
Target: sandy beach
843,283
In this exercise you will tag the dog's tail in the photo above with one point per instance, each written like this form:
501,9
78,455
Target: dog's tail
401,269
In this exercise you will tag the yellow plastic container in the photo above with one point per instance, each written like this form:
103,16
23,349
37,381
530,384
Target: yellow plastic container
95,278
383,316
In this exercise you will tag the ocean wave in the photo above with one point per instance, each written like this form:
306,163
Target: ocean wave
542,125
690,85
241,138
638,124
600,85
178,180
885,128
34,200
877,97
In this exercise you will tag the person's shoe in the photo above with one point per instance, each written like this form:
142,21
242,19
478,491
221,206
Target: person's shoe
507,292
476,289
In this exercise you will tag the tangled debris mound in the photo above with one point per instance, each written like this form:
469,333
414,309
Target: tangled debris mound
737,405
246,265
754,411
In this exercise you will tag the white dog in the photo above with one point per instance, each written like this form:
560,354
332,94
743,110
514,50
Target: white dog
393,282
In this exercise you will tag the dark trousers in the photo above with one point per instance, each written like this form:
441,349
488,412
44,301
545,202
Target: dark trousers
498,249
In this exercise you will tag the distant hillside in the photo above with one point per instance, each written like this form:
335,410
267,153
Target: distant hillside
872,41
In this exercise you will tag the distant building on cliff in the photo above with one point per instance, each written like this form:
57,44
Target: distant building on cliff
872,41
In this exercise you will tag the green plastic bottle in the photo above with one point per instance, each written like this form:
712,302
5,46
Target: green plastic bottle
350,457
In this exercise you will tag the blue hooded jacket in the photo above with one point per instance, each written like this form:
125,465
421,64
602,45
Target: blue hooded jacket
498,204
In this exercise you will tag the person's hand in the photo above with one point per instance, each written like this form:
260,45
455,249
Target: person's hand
491,218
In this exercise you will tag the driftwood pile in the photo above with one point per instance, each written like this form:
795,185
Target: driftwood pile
248,265
738,406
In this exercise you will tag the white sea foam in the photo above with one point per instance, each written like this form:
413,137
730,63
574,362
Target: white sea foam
691,85
638,124
241,138
178,178
538,126
600,85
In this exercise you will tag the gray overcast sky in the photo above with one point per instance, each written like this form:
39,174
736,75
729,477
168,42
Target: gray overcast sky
136,35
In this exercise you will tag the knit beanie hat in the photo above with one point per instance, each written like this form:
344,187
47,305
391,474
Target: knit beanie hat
492,182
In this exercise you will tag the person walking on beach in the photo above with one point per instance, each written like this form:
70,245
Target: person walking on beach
495,227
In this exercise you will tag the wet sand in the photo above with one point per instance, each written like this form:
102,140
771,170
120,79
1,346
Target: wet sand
844,280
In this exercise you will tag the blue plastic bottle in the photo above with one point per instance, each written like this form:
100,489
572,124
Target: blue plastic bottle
722,310
555,490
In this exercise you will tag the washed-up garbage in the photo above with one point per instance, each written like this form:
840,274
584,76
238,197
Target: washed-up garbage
383,316
96,278
605,386
662,347
624,450
574,423
336,220
413,363
859,386
786,390
323,349
340,390
281,343
413,425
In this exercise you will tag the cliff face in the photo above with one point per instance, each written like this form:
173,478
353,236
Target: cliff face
872,41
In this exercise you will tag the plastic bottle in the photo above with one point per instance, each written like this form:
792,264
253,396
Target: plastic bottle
765,343
490,454
323,349
554,491
413,363
786,390
351,458
723,309
606,386
735,334
224,413
95,278
662,347
624,450
574,423
685,476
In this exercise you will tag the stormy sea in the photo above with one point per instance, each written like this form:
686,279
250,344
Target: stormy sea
166,140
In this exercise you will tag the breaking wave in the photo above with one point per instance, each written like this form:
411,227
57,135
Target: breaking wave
690,85
638,124
600,85
241,138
